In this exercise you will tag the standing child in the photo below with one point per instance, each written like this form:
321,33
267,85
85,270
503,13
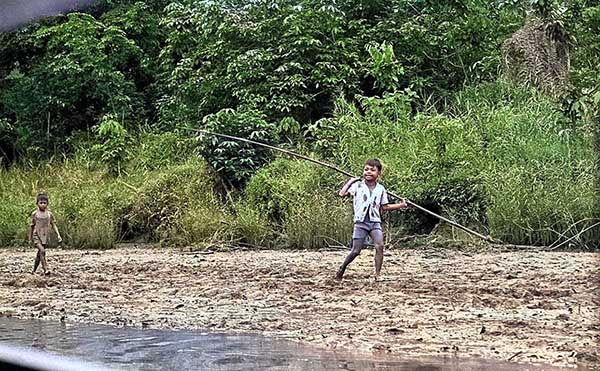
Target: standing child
370,198
41,221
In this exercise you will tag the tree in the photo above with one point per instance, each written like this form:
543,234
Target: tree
83,70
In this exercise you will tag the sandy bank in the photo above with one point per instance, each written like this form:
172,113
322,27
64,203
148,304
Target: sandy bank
526,306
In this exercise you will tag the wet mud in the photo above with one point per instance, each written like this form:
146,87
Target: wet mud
526,307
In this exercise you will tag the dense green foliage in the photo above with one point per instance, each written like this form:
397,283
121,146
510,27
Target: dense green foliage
236,161
95,108
172,63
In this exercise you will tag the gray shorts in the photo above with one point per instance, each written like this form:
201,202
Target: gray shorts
362,230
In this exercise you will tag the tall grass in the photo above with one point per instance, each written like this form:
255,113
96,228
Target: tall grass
503,158
175,204
299,199
317,220
85,203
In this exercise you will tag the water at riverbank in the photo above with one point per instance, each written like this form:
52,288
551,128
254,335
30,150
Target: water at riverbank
127,348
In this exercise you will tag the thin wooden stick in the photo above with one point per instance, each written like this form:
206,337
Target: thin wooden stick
514,355
575,236
561,235
294,154
128,185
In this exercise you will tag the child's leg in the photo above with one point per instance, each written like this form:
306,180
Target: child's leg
377,236
359,234
357,245
358,241
37,261
40,257
42,252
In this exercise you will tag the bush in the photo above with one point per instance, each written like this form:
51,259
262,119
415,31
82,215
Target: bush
111,148
176,205
235,161
252,228
299,200
275,187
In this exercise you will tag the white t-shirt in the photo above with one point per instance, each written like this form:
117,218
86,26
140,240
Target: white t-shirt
365,200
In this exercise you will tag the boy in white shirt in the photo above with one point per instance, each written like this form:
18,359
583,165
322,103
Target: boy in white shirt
370,198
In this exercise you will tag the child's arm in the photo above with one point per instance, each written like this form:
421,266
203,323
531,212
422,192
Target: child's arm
55,227
344,191
386,206
31,226
391,207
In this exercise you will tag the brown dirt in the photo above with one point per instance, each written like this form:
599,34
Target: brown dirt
531,306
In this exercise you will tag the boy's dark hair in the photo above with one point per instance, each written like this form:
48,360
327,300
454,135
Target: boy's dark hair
375,163
41,197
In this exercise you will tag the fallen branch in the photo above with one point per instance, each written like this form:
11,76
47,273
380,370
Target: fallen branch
575,236
514,355
569,228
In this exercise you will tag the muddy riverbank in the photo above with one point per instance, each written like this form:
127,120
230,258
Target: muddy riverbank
522,306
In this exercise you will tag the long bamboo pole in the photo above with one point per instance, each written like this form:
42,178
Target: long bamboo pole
333,167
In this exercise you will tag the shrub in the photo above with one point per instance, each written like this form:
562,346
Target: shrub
299,200
176,205
235,161
111,148
153,151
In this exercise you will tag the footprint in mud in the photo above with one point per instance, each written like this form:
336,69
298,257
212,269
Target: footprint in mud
29,280
330,281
